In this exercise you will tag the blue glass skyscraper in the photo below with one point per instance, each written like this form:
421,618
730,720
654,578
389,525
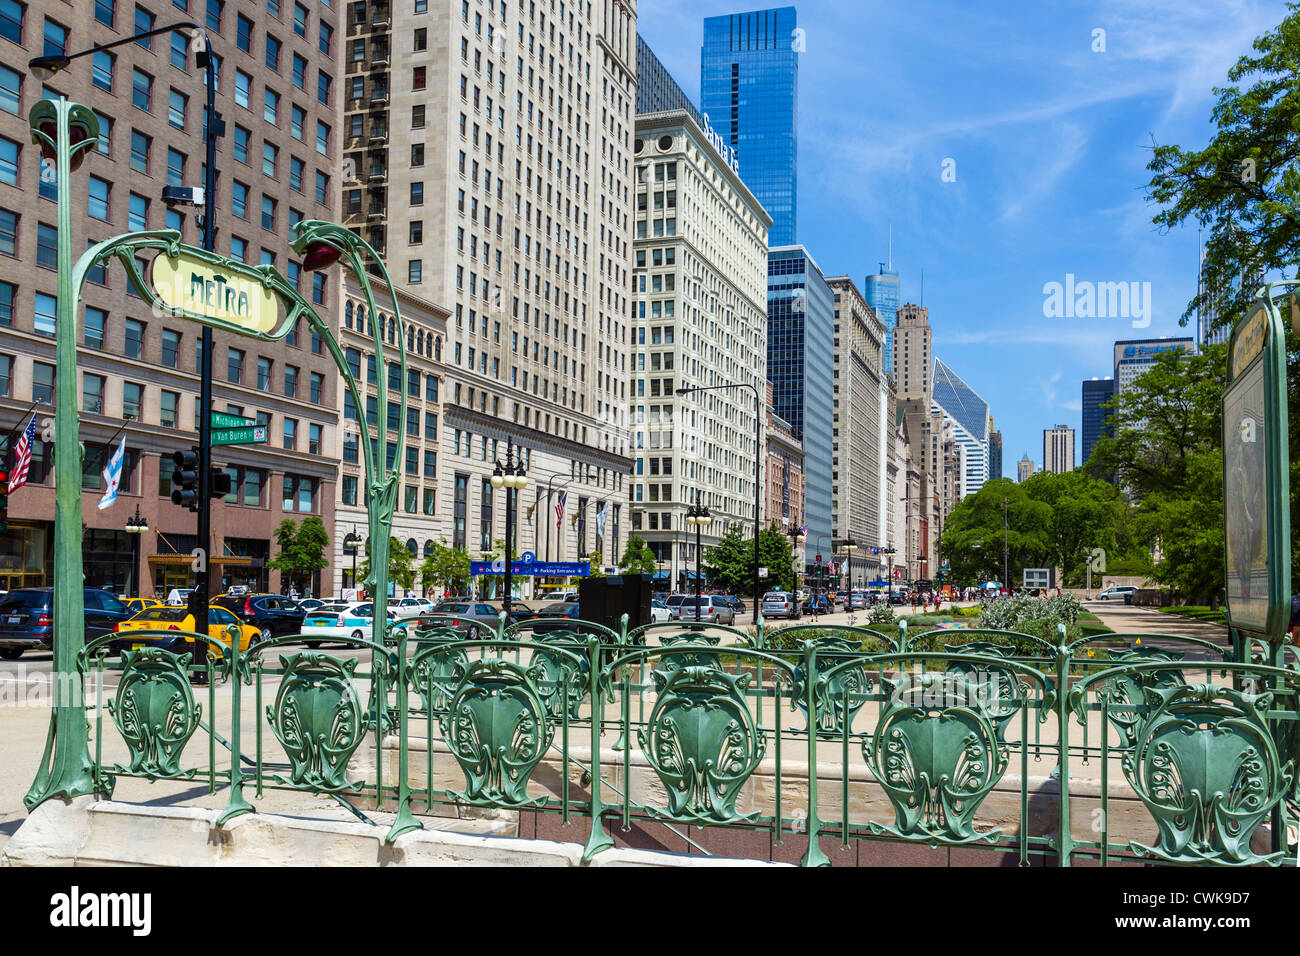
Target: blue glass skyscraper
749,92
1096,393
800,357
881,292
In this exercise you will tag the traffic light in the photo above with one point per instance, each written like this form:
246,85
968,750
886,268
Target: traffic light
4,500
218,483
185,479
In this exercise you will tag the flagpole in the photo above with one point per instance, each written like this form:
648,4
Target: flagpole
9,438
109,444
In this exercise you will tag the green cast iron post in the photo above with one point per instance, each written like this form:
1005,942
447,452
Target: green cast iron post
66,768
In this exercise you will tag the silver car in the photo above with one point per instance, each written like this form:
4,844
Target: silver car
781,604
711,610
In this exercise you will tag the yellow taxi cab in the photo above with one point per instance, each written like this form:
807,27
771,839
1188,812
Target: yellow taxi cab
139,604
167,618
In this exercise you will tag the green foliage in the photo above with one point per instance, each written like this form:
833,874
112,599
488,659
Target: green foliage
597,564
973,534
881,615
400,571
637,557
730,564
1037,616
445,568
302,549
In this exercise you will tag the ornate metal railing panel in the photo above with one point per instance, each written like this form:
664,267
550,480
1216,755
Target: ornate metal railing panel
969,744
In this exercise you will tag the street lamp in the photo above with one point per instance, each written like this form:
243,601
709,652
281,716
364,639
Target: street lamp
137,525
352,543
758,465
849,546
697,516
512,477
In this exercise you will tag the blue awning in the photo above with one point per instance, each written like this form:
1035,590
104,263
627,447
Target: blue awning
662,575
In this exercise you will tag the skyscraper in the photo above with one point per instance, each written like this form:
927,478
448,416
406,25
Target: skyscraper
656,90
1134,356
1096,393
490,148
970,416
1058,449
995,452
800,346
749,93
139,370
1024,468
701,443
881,291
912,354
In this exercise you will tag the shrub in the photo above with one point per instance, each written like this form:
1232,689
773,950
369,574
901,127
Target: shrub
881,615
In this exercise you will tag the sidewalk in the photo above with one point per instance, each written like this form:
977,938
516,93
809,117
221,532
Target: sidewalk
1127,619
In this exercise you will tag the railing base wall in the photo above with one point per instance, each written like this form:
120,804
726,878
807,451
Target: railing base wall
90,832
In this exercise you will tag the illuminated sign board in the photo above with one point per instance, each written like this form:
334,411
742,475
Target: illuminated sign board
189,284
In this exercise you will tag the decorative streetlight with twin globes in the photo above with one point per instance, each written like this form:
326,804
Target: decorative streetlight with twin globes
697,516
512,477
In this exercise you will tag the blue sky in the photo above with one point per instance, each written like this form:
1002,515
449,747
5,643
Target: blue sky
1049,141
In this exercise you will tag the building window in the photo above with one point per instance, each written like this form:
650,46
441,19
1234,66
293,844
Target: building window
95,322
43,383
8,291
291,381
176,105
299,493
171,347
234,366
291,434
98,203
167,408
45,314
132,400
141,90
133,340
102,70
92,393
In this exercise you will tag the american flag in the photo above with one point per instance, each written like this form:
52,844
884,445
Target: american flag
22,458
559,511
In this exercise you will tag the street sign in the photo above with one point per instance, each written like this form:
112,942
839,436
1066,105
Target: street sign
762,572
238,436
222,420
546,569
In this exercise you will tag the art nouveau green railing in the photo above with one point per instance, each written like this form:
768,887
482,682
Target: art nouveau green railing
700,727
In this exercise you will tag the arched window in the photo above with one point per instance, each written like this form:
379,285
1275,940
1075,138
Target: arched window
392,330
361,319
347,316
410,340
437,349
419,342
411,547
428,548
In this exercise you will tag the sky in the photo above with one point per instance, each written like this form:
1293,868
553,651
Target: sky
1006,143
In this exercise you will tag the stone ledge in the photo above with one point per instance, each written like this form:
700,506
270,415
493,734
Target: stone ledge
93,832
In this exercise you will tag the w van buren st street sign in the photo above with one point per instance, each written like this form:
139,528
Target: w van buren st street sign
233,430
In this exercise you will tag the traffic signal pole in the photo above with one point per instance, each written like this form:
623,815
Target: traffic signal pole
199,599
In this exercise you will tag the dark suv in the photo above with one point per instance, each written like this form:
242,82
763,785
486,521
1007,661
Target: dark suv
273,614
27,619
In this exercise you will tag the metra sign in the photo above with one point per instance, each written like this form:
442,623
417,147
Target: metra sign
185,282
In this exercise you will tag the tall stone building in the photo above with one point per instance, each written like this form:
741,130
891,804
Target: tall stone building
1058,449
1024,468
278,163
914,354
699,319
859,449
490,147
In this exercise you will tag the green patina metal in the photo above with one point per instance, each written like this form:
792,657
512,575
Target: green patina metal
65,132
937,754
702,742
318,719
497,727
1205,765
839,696
155,712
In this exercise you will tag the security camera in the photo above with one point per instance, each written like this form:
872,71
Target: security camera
184,196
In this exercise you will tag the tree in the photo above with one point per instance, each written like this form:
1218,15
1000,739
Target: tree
730,563
597,561
973,535
1087,513
1242,185
637,557
1166,451
445,568
400,571
302,550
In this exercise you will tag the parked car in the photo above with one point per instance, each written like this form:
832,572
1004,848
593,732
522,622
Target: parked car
659,612
310,604
781,604
409,607
712,610
272,614
166,618
27,618
339,621
858,600
674,601
1118,591
478,618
